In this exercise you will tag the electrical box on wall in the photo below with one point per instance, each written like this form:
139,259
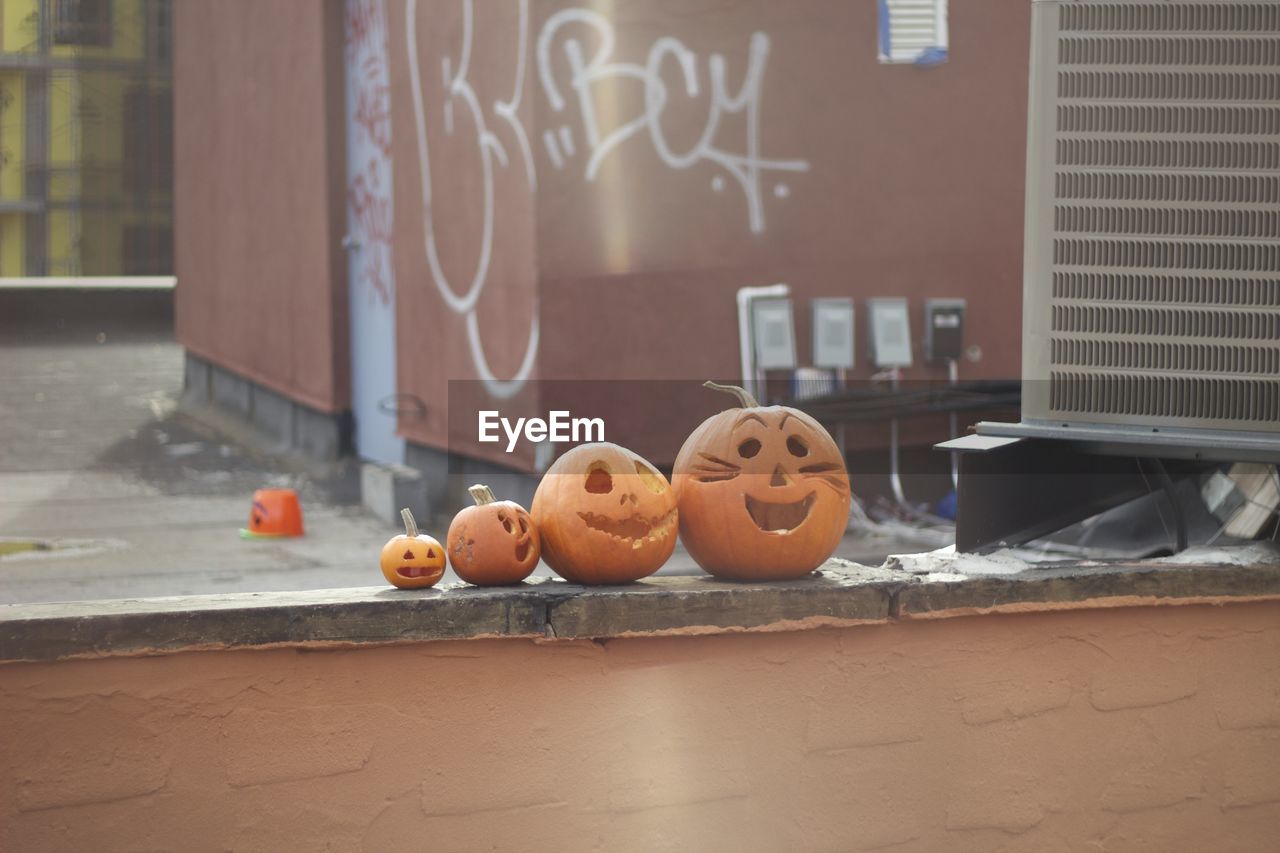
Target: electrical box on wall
889,327
943,329
773,331
833,333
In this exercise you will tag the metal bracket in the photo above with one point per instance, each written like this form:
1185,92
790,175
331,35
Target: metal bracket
1013,490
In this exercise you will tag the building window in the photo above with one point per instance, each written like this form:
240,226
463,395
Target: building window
148,141
159,31
82,22
147,250
913,31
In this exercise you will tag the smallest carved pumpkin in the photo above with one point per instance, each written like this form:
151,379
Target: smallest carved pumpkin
494,542
412,560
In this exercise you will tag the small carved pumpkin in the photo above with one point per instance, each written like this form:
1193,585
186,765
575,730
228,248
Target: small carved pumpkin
605,515
762,490
412,560
494,542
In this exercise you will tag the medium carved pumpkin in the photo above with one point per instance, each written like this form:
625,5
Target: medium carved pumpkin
605,515
494,542
412,560
762,490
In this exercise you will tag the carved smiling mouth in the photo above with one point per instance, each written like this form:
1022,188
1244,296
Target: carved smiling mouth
522,550
779,517
415,571
635,529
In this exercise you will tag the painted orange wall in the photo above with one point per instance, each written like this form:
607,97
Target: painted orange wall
1118,730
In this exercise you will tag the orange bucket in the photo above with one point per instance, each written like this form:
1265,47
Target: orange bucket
274,512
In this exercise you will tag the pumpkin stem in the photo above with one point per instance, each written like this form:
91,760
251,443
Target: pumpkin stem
410,526
481,494
745,400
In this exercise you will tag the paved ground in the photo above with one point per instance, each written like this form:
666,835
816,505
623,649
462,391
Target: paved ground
94,454
141,499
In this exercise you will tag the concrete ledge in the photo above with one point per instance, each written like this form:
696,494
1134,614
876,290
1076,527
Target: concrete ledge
91,282
843,594
347,616
1088,587
78,316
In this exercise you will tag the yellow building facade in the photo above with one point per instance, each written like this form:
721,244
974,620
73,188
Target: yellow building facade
86,162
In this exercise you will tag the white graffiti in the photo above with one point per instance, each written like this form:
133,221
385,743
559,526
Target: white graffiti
746,166
458,89
743,164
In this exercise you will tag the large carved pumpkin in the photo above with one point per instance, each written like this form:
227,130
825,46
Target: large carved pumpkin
762,491
494,542
605,515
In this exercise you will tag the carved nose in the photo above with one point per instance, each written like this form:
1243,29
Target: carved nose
780,477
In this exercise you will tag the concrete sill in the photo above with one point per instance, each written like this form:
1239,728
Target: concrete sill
842,594
90,282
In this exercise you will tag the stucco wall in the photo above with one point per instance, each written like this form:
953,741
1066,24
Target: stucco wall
260,205
1130,729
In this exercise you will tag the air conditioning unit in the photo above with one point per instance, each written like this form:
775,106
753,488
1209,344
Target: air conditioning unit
1151,312
1151,283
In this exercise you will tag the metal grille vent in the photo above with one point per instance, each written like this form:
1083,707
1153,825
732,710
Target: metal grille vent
1163,221
1201,358
1169,85
1108,50
1154,189
1166,289
1122,186
1259,257
1155,154
1178,322
1166,397
1180,17
1223,121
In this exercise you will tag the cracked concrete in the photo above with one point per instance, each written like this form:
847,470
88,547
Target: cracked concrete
842,594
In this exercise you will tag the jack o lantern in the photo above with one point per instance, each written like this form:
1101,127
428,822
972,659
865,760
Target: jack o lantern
605,515
494,542
762,490
412,560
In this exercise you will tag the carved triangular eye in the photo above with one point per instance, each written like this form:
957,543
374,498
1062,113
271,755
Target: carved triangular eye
651,479
408,554
431,553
